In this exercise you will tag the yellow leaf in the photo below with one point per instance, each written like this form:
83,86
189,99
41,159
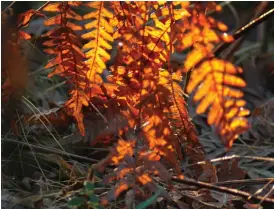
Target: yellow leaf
91,15
203,89
206,102
106,13
106,35
101,64
106,26
92,24
239,123
229,80
104,43
215,114
103,53
195,56
210,35
52,7
232,112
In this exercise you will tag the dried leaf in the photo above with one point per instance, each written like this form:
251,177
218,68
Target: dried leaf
25,17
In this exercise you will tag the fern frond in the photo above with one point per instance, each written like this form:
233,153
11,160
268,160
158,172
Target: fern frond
134,170
68,62
142,97
100,38
215,79
217,82
143,89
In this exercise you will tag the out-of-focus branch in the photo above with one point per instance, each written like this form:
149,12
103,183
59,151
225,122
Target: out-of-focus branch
245,29
236,45
223,189
9,6
43,6
245,182
269,159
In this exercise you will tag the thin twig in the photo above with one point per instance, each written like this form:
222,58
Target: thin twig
236,45
245,182
227,190
245,30
32,107
6,9
33,153
262,189
267,194
269,159
43,6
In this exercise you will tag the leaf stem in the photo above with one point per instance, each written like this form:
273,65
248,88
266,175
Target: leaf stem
245,29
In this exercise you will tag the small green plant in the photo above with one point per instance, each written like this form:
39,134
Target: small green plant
86,197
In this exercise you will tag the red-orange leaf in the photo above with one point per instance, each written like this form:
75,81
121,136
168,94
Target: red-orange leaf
24,35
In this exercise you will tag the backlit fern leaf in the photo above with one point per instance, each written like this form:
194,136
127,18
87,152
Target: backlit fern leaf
143,91
68,62
100,38
143,99
216,81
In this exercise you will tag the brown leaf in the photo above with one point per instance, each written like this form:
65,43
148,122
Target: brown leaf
230,171
24,35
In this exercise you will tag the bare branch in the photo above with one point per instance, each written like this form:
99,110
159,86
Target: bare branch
227,190
269,159
6,9
245,29
245,182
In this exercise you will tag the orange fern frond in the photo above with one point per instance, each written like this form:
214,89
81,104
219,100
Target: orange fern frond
68,62
132,171
24,20
143,89
143,98
216,81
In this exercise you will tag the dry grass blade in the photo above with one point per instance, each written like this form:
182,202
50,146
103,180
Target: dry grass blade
52,150
246,182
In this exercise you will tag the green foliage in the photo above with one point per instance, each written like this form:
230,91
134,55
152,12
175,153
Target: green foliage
76,201
149,201
86,197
